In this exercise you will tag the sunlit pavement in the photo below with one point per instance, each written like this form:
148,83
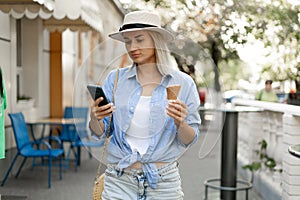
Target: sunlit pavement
202,162
79,185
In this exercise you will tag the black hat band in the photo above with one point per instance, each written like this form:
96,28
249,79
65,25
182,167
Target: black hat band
137,25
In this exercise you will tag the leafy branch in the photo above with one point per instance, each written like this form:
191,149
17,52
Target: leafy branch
264,160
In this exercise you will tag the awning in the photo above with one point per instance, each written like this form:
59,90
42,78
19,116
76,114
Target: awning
57,15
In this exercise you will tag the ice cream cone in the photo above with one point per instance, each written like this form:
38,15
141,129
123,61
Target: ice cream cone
172,91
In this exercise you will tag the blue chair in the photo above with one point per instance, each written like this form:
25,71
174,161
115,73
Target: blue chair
77,135
25,148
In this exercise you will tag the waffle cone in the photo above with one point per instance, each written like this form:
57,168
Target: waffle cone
172,92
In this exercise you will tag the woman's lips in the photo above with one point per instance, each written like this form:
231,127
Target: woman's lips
135,55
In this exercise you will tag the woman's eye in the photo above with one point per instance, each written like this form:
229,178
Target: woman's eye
139,41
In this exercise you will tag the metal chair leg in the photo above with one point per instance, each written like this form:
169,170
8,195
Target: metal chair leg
33,163
9,169
67,158
21,166
76,155
60,167
90,152
205,197
49,171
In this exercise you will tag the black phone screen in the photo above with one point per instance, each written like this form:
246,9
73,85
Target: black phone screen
96,92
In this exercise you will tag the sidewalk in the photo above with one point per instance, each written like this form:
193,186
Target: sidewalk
79,185
202,162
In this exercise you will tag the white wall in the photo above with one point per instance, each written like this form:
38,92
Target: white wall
69,63
35,68
44,77
31,57
279,125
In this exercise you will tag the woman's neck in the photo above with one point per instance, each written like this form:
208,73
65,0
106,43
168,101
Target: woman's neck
148,70
148,73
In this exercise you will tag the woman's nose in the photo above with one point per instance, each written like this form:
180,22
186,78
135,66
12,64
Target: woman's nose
133,46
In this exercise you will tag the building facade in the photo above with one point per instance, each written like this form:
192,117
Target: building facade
48,51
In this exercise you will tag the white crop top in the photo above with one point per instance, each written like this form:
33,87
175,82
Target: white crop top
137,134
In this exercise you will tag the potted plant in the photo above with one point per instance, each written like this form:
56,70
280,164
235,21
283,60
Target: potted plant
263,160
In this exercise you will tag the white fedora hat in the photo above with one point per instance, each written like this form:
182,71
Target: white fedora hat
141,20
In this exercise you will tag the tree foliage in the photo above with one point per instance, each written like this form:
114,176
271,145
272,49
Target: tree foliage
276,24
222,27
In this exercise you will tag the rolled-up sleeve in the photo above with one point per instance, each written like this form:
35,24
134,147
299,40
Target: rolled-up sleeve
193,103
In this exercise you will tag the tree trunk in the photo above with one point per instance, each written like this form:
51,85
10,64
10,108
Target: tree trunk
215,57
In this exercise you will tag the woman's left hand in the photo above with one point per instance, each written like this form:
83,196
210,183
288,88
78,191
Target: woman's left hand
178,111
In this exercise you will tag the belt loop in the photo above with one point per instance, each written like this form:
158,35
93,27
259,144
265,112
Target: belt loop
119,172
140,173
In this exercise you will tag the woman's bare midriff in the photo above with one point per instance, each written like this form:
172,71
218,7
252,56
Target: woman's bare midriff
138,165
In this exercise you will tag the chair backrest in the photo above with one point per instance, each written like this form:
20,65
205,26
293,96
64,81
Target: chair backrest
71,132
20,130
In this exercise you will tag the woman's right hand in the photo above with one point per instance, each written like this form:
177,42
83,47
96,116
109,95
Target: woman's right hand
98,113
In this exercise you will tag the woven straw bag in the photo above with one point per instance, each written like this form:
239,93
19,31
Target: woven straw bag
99,179
99,187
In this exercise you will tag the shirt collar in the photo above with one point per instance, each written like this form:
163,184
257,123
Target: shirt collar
132,72
166,79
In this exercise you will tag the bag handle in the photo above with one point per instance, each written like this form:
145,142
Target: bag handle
108,129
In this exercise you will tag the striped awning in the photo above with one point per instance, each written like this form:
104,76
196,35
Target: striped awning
57,15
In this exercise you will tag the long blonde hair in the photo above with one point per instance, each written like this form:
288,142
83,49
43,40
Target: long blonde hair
162,53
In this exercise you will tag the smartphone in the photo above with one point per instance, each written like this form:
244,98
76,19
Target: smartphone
96,92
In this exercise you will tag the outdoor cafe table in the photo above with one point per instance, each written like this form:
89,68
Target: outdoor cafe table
228,179
53,122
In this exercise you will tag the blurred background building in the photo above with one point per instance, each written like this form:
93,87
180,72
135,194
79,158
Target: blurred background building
44,44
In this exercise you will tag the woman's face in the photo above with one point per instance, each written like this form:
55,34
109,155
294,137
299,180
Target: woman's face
268,87
140,47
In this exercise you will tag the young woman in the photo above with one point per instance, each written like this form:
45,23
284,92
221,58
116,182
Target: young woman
149,133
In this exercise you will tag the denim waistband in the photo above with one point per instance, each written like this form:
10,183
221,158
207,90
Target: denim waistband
135,172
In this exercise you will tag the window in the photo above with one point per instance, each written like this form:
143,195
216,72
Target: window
19,58
19,42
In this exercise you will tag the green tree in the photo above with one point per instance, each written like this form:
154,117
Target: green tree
221,27
207,23
276,24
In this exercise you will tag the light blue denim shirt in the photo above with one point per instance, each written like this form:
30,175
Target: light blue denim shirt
164,144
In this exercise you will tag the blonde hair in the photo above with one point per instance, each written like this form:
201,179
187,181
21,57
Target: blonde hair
162,53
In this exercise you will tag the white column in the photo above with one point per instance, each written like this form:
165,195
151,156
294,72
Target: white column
291,164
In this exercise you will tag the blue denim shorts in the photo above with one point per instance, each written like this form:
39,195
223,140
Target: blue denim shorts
131,184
